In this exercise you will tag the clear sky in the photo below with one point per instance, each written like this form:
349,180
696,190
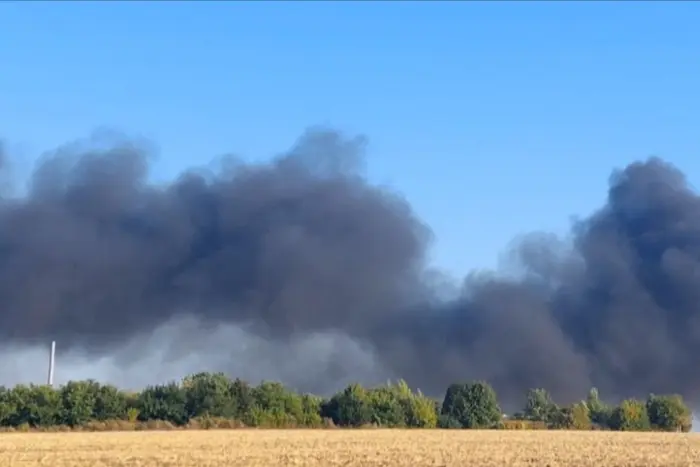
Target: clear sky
494,119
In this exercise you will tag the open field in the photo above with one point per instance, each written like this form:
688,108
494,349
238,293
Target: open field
270,448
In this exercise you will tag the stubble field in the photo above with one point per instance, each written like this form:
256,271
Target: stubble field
272,448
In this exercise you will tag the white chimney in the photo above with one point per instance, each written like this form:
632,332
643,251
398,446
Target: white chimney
52,361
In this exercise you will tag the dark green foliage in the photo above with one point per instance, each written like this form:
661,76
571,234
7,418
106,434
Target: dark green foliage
242,395
388,406
448,422
210,394
474,405
78,402
311,414
540,407
631,415
36,406
210,400
600,413
7,409
275,406
349,408
668,413
110,404
454,405
163,402
560,419
420,411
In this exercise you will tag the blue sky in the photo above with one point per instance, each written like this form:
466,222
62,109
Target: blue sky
494,119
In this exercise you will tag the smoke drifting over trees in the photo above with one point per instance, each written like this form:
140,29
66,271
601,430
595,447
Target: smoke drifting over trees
95,255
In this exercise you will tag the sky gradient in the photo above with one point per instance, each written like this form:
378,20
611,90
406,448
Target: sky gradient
493,119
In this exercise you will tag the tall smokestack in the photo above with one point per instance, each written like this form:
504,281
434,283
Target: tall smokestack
52,361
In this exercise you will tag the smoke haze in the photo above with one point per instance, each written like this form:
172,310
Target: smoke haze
299,269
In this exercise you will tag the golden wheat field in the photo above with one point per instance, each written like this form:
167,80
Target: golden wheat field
272,448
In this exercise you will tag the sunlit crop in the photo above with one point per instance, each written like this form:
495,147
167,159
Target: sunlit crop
270,448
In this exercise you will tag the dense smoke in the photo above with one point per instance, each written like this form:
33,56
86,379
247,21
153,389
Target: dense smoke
285,252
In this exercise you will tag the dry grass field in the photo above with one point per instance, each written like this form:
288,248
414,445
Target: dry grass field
269,448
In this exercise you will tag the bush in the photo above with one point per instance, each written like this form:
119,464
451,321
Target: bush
474,405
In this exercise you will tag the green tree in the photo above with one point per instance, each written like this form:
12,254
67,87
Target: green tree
474,405
110,403
209,394
78,402
352,407
386,407
574,417
447,422
34,405
631,415
243,399
311,405
275,406
539,407
417,410
580,416
600,413
669,413
7,408
420,411
163,402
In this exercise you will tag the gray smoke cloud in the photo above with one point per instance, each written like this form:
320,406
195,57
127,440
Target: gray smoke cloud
299,269
318,363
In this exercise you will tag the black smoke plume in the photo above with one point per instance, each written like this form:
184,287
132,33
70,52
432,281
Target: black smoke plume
95,254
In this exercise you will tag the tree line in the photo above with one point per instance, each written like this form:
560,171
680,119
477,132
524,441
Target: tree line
212,400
